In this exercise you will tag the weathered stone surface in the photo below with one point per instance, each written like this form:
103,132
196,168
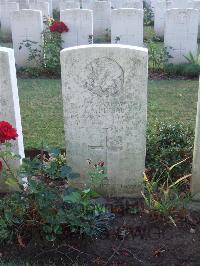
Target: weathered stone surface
22,22
6,10
196,5
9,100
42,6
23,4
178,3
105,111
127,4
101,17
195,184
159,18
69,5
87,4
181,30
80,24
127,26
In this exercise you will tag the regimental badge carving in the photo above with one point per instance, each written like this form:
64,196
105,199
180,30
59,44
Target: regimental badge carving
104,77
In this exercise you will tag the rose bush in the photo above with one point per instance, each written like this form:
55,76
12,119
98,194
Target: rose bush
45,60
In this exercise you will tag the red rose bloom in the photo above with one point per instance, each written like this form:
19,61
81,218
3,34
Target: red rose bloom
58,26
7,132
1,166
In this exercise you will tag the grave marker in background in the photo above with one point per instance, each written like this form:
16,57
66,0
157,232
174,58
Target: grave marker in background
101,17
127,26
181,30
26,24
80,24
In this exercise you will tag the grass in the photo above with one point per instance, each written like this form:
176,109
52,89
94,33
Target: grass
42,115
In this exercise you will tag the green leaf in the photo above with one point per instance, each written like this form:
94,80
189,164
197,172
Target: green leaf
65,171
73,175
73,197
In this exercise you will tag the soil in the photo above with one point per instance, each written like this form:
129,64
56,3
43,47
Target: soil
134,239
165,76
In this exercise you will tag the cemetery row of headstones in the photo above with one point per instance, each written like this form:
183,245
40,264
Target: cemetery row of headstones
105,112
126,28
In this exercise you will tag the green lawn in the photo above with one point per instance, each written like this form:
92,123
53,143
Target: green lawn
42,115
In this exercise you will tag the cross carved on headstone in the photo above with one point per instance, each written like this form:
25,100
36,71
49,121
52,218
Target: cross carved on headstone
101,147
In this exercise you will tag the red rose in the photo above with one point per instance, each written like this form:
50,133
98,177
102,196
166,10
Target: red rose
58,26
7,132
1,166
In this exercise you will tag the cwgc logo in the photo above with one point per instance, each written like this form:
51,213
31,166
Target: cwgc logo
104,77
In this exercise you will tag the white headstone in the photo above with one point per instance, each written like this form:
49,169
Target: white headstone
178,4
80,24
101,17
9,99
133,4
69,5
6,11
196,5
159,18
116,4
127,26
23,4
43,7
105,111
87,4
26,25
195,184
181,30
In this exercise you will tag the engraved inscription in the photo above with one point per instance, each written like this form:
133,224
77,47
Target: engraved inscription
104,77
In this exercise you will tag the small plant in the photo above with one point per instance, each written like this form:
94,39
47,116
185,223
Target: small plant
117,39
166,144
185,70
163,197
48,208
148,15
45,59
90,39
158,56
193,59
97,173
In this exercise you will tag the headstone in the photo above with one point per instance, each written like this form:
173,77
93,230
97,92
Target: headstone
178,4
69,5
56,5
26,25
195,184
6,11
23,4
87,4
43,7
133,4
159,18
50,7
101,17
127,26
105,111
9,100
181,30
196,5
80,24
116,4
